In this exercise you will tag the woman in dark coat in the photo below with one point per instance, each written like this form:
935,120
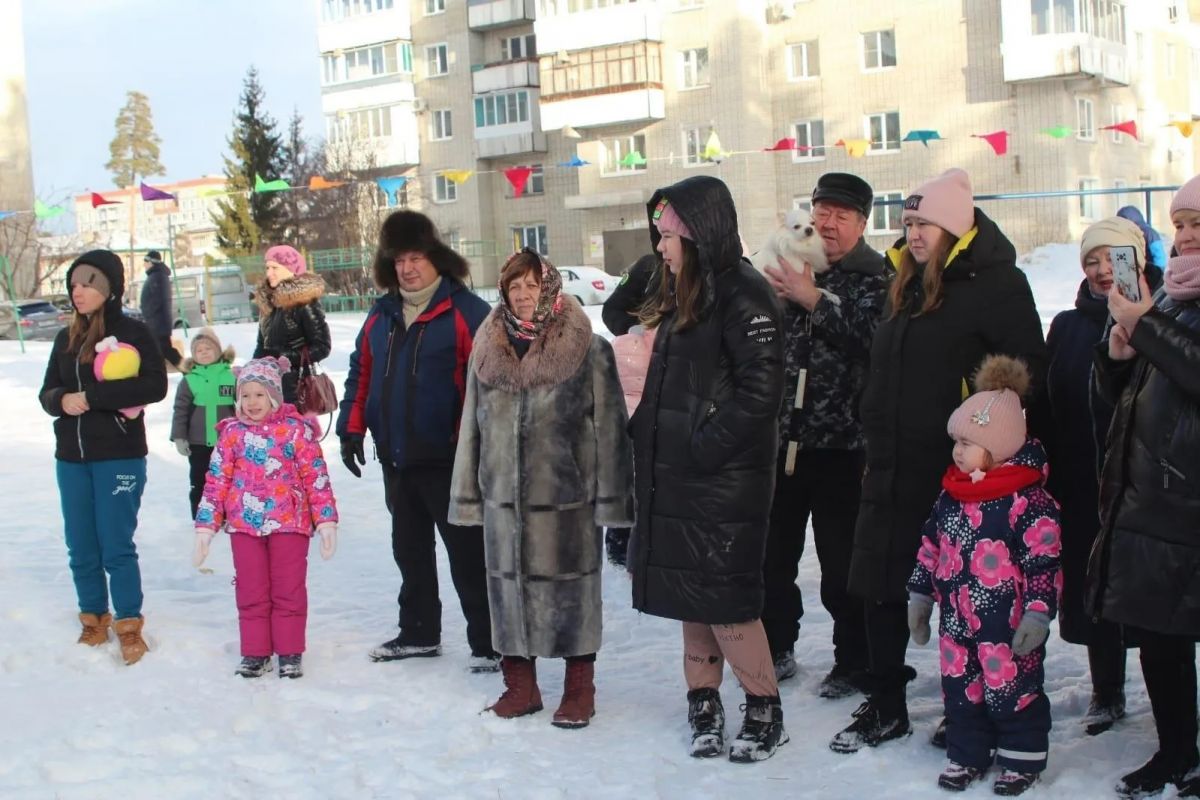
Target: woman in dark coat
1144,572
705,437
543,462
957,297
292,323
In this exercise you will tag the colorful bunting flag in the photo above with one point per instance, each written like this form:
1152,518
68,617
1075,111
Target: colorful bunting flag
1183,126
855,148
316,183
518,177
1129,126
1059,131
150,193
211,192
43,211
390,187
922,136
98,200
712,148
7,214
633,159
277,185
575,161
783,144
997,139
459,176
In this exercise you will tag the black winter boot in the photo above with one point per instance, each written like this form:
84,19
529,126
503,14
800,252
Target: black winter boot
874,723
1153,776
707,718
1103,713
254,666
1011,783
290,667
762,730
957,778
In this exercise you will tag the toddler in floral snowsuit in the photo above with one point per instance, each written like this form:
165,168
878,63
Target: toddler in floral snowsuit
989,557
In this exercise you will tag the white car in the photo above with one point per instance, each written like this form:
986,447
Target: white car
589,285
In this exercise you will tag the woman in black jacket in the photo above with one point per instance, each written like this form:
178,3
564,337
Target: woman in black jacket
705,436
957,297
1144,572
100,449
292,323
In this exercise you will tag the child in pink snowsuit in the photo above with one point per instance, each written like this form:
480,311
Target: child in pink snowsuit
268,486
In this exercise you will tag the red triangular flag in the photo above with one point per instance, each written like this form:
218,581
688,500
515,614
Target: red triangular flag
1128,126
518,177
783,144
998,140
97,200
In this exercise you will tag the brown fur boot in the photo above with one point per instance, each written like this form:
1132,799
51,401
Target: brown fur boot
129,631
578,704
95,629
521,694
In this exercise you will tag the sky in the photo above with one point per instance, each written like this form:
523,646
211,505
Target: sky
188,56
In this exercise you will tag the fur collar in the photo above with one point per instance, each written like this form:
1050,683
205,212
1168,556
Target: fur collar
553,357
227,355
299,290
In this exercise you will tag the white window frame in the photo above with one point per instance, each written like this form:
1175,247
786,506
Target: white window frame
512,105
885,145
1085,119
808,155
797,53
1170,57
437,55
619,147
802,202
879,35
694,157
1087,202
886,214
434,7
444,190
1117,112
691,74
441,125
540,241
526,43
1121,199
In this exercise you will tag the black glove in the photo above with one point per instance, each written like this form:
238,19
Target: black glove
352,448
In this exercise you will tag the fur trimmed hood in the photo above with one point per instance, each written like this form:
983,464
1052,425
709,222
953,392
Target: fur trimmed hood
299,290
227,355
553,357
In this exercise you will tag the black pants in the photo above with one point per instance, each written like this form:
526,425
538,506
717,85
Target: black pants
1169,667
887,640
197,469
1106,662
826,485
418,498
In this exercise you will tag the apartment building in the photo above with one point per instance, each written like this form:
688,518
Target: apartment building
636,89
16,164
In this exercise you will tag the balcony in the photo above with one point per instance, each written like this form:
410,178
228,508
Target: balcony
508,123
357,31
506,75
598,110
1087,41
520,139
600,27
483,15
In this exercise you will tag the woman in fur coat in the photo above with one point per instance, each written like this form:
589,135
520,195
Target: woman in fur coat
543,462
292,323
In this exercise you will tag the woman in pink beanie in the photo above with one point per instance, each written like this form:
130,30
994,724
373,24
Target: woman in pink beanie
291,322
957,297
1143,571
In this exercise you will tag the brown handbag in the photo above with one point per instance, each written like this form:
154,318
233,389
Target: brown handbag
315,394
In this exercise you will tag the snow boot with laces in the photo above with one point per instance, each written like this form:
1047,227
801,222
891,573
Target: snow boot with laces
95,629
397,649
578,704
785,665
706,715
957,778
253,666
521,694
872,726
762,730
1103,713
129,633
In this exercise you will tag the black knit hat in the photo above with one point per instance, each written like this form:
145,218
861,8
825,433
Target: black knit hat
153,255
408,231
844,189
107,262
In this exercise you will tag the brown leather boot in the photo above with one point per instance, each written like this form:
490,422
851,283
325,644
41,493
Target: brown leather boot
578,704
521,694
129,632
95,629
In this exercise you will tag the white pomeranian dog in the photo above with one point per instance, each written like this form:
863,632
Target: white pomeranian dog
797,241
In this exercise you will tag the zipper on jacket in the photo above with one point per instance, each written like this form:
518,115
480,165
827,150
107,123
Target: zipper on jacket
79,418
387,370
417,347
1169,470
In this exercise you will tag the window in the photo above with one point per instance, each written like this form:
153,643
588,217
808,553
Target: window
334,10
439,124
1172,12
1053,16
517,47
437,59
802,202
435,6
405,50
502,109
693,68
1117,115
803,61
809,134
883,131
364,123
634,65
886,219
1084,119
612,151
1121,199
879,49
1102,18
535,185
444,190
1169,55
694,140
531,236
368,62
1087,202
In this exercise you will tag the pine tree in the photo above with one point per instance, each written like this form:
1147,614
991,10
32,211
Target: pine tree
134,148
244,223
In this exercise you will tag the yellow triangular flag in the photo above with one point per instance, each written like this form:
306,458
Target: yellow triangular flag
855,148
1183,127
712,148
459,176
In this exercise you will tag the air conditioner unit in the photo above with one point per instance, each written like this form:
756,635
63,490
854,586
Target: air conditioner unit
418,105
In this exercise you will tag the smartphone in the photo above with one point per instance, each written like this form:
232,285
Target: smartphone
1125,272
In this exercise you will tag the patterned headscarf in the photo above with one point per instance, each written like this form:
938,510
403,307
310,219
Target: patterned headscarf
549,303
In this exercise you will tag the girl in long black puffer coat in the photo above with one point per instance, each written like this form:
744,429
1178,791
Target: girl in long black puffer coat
705,436
292,322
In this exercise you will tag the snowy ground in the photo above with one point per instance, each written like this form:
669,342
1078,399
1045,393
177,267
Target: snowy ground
180,725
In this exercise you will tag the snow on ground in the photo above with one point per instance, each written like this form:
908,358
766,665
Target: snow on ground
79,724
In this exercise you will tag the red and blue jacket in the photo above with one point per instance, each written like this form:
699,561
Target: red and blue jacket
406,385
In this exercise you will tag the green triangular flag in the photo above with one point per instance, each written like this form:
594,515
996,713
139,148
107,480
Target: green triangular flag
43,211
1059,131
270,186
632,159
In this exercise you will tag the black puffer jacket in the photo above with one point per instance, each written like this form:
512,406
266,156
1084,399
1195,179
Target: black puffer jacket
620,311
920,371
706,431
292,319
1145,568
155,301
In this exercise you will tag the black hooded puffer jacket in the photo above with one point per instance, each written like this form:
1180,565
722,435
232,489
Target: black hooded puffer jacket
706,431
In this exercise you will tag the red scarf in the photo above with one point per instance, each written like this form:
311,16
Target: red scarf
996,483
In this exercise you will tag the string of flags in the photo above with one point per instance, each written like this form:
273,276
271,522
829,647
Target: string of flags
518,177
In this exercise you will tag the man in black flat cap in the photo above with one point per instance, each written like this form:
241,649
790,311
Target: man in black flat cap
822,445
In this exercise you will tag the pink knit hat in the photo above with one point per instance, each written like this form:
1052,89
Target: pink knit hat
992,417
1188,196
286,256
946,201
268,373
668,221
